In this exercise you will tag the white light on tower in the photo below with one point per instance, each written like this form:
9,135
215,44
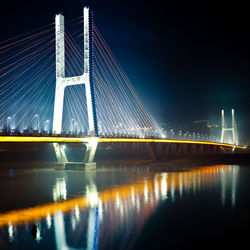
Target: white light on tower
62,82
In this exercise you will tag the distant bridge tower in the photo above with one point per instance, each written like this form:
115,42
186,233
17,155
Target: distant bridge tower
232,130
86,78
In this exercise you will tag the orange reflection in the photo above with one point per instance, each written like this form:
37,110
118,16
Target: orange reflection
35,213
157,187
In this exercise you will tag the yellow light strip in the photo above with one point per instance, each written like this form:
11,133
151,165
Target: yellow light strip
167,141
42,139
86,139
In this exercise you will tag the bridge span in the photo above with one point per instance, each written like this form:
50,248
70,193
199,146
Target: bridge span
60,139
154,148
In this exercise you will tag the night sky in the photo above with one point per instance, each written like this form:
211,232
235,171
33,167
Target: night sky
187,60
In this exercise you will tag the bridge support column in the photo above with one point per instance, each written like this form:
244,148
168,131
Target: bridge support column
89,156
193,148
189,149
179,150
151,151
166,150
200,149
60,155
206,149
214,149
158,151
219,150
88,159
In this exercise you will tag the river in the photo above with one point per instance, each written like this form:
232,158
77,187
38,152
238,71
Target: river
150,206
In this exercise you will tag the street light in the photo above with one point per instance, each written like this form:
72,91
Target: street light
8,124
76,128
72,125
38,123
47,126
180,134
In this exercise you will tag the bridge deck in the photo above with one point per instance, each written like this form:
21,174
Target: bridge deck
100,139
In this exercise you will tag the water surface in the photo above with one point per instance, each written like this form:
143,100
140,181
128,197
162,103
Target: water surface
125,207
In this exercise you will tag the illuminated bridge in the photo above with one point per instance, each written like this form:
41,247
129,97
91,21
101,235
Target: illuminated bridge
62,139
66,87
156,148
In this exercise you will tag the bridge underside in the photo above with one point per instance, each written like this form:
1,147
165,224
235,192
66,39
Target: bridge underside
121,148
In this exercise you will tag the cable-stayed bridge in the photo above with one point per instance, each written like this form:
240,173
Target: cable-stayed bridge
93,96
68,86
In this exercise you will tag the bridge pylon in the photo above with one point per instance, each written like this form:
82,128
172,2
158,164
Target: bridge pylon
232,130
86,78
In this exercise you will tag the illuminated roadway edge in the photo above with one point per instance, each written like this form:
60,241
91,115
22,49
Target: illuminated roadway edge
100,139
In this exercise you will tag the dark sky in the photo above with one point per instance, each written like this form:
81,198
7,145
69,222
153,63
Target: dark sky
187,59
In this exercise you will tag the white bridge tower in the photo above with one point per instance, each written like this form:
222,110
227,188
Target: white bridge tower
62,82
233,129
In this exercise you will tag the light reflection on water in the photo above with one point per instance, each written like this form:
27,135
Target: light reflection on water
59,190
111,218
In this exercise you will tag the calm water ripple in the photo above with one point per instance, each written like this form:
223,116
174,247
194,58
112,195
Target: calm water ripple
125,207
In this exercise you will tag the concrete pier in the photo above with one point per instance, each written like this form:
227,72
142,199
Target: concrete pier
75,166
